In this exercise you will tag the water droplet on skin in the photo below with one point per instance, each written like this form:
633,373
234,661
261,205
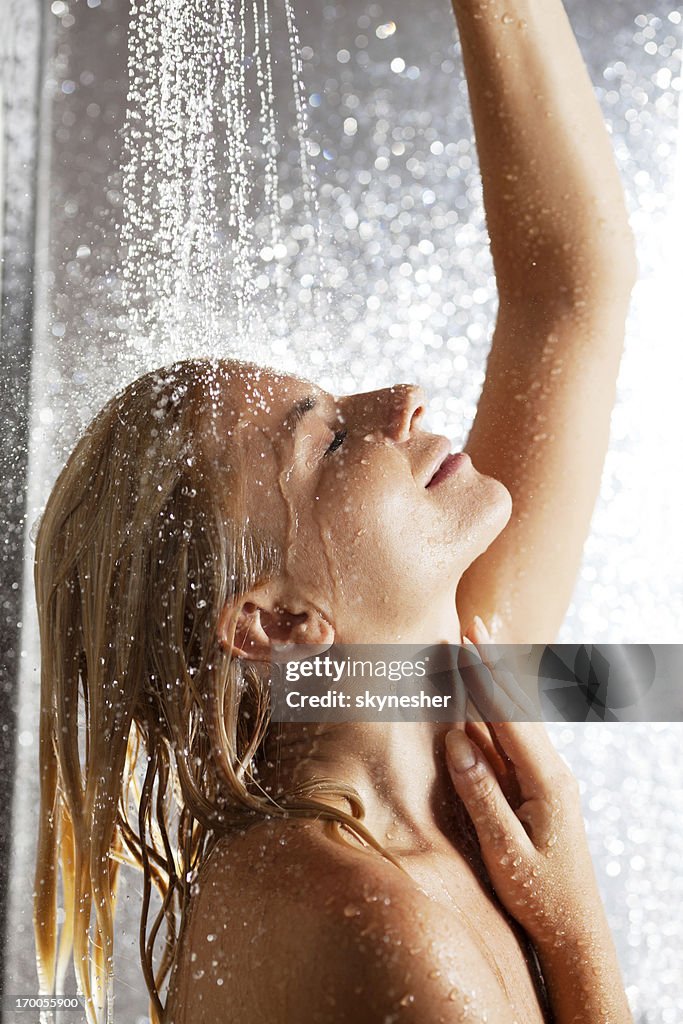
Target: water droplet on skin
407,1000
507,18
351,910
434,973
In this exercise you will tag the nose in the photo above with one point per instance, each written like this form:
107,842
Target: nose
407,404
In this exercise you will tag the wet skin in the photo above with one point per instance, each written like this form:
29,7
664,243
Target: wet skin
358,524
369,549
372,556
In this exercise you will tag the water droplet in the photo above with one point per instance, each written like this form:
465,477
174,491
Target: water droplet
351,910
507,18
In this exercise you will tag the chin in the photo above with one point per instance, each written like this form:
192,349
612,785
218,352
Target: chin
494,515
503,503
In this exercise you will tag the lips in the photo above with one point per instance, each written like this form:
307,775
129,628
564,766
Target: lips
451,464
444,450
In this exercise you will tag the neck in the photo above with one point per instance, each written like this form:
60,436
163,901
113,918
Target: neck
398,768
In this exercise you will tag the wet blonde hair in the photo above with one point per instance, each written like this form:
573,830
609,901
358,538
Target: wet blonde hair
150,732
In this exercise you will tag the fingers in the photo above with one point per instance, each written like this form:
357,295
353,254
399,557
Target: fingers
489,679
485,690
499,761
476,784
505,707
480,733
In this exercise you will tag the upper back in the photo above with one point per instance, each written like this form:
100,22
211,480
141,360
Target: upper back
287,925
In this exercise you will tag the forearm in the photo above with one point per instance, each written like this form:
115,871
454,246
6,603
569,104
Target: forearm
582,973
554,202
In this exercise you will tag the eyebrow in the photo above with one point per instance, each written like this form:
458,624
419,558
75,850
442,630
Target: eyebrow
299,410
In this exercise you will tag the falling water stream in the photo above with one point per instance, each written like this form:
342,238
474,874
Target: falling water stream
204,251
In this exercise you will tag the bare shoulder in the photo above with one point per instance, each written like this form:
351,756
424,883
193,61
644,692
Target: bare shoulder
298,926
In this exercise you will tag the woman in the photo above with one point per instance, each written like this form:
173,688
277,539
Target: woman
213,510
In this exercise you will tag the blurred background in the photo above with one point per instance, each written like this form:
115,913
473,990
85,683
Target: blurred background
399,287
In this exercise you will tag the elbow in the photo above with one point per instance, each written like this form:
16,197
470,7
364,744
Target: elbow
619,265
615,279
611,284
632,269
609,267
606,244
604,277
615,258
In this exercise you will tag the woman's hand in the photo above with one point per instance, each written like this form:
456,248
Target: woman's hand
524,803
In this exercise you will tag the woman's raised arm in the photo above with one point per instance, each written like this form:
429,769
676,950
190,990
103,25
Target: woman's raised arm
565,265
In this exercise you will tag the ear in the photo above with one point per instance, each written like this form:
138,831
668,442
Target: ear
255,627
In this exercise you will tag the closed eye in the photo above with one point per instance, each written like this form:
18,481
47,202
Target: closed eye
339,436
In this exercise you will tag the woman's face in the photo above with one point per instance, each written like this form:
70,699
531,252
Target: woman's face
341,483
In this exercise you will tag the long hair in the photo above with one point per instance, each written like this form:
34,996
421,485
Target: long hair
150,731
